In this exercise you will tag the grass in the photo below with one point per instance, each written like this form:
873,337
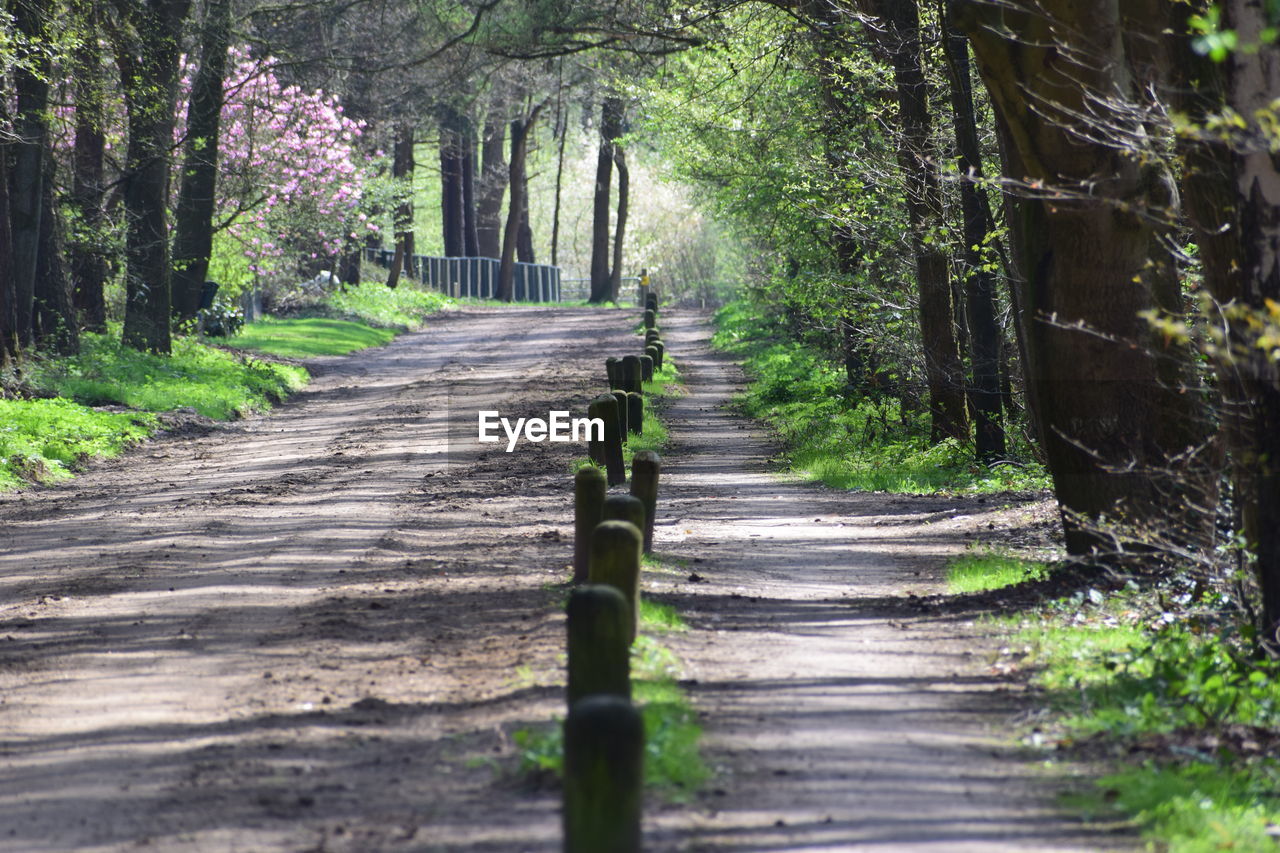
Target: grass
1123,670
866,442
375,304
43,440
304,337
655,436
979,571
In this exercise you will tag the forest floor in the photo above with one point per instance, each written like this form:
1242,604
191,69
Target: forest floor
318,630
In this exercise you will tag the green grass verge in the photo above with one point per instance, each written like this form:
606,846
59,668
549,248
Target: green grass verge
655,437
1183,696
304,337
375,304
42,440
978,571
863,442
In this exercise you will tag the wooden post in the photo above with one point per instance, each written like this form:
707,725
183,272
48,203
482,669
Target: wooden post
624,508
623,413
631,373
645,468
609,451
651,335
611,367
635,413
651,302
650,318
646,368
599,646
615,560
603,776
662,351
589,489
652,352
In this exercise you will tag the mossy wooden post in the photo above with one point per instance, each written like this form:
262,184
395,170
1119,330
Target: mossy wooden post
589,490
599,646
603,776
646,368
611,367
651,302
652,352
609,451
623,412
635,413
645,468
662,351
650,318
615,560
631,373
624,508
651,335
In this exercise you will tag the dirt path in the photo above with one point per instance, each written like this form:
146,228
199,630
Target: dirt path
317,630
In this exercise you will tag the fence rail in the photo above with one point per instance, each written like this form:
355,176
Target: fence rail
478,277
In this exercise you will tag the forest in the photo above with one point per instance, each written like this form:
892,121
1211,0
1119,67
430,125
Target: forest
1003,272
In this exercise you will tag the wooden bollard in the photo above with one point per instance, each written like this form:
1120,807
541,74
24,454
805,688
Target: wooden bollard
646,368
599,645
611,367
652,352
645,468
603,776
650,318
609,451
624,508
623,412
615,560
631,373
635,413
651,335
662,351
651,302
589,489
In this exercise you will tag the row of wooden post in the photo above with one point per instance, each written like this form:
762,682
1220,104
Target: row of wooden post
604,733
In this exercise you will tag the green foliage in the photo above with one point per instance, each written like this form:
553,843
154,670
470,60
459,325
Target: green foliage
847,439
655,616
215,383
42,440
655,437
375,304
975,572
303,337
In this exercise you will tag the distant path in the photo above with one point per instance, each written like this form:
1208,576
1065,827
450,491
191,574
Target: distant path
844,719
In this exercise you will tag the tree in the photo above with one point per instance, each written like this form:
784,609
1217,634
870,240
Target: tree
493,178
30,145
610,129
87,257
516,208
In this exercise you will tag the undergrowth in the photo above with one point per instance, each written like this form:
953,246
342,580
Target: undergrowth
43,440
304,337
1164,685
977,571
844,439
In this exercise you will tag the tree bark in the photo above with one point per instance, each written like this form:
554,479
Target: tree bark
980,284
31,132
470,235
402,171
147,46
620,228
193,216
8,321
87,260
610,129
451,200
524,236
493,181
55,313
555,216
520,129
1114,432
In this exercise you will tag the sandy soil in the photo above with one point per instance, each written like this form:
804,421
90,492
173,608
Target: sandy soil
317,630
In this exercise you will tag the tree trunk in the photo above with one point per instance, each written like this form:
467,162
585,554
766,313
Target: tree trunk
55,312
451,201
402,171
193,217
511,233
555,216
1114,433
620,229
610,129
524,236
944,373
980,284
87,259
493,181
8,335
470,235
31,132
147,49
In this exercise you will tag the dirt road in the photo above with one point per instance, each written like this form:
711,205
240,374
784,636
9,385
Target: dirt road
317,630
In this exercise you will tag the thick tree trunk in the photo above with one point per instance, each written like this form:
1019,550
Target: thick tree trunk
493,181
979,283
524,235
31,131
402,165
470,235
55,313
8,335
620,228
610,129
451,201
87,260
1113,431
193,217
520,130
147,52
944,373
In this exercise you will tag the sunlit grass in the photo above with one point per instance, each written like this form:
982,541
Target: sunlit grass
975,572
305,337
